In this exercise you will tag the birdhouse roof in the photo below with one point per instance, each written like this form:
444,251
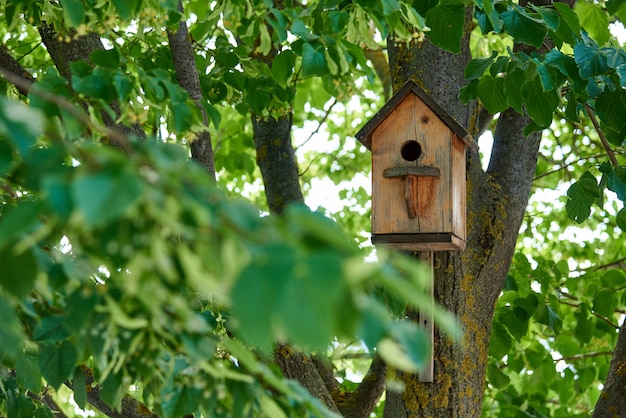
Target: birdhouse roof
365,134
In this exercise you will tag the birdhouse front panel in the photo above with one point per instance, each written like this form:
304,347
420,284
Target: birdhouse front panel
407,142
418,173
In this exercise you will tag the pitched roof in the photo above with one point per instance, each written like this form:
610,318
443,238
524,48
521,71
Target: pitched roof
364,135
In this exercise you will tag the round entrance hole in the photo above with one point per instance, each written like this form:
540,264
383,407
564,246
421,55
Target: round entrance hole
411,150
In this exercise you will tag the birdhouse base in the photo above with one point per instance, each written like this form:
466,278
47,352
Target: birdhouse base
420,242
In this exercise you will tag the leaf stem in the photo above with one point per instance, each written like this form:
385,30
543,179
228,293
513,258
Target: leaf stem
605,143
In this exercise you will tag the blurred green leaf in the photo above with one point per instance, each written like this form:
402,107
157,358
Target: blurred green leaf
57,362
19,271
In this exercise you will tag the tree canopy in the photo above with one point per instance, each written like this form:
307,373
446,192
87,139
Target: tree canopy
157,257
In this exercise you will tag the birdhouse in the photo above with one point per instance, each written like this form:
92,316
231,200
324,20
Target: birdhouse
418,173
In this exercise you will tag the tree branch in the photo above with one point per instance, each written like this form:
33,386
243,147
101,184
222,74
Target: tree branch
80,48
11,65
116,137
131,407
613,397
187,76
361,402
582,356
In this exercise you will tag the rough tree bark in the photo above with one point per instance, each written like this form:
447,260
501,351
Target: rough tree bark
612,402
80,48
467,283
184,60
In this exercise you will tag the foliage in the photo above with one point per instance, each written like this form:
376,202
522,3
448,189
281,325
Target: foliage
132,265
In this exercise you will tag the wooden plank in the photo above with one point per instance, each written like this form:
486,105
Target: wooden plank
419,242
410,195
425,320
411,171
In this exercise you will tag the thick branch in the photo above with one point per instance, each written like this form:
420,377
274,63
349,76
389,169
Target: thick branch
10,64
187,76
131,407
276,159
512,167
80,48
361,402
295,365
612,400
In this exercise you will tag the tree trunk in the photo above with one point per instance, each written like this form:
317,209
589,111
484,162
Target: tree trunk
467,283
276,159
80,48
184,60
612,402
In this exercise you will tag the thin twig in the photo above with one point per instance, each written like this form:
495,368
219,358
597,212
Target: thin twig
319,125
116,136
605,143
584,356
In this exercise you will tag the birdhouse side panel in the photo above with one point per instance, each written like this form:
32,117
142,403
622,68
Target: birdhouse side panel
458,188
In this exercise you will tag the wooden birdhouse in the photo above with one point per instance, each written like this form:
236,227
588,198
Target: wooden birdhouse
418,173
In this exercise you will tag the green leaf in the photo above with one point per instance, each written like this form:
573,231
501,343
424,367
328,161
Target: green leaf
180,401
568,16
79,386
51,328
20,124
446,21
109,58
57,191
611,108
19,406
413,341
547,316
477,67
113,390
257,292
500,342
126,8
594,20
7,157
469,91
491,94
313,61
540,104
582,194
523,28
621,219
27,372
583,328
183,116
496,377
513,83
516,321
494,16
549,16
19,271
282,67
603,302
74,11
590,61
57,362
103,197
18,220
311,297
10,331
